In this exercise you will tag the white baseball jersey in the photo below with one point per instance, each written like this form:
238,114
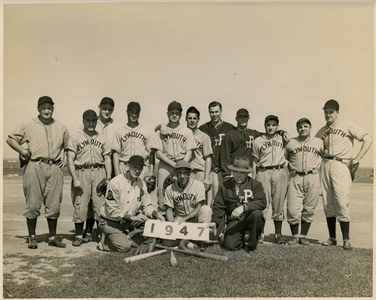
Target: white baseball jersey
203,150
108,131
339,138
124,198
184,201
89,150
130,141
175,144
269,152
304,155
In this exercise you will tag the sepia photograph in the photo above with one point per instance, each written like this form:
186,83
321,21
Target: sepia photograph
187,149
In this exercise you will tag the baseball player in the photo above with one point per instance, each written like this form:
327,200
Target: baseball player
46,141
86,164
126,207
304,155
170,148
216,129
185,200
338,136
272,172
239,203
131,139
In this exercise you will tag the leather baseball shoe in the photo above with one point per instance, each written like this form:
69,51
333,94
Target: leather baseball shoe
32,242
330,242
294,241
347,245
56,242
87,238
261,239
303,241
279,239
77,242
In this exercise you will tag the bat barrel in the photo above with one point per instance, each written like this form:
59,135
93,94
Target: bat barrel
204,255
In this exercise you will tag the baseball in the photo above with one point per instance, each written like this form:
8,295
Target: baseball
190,245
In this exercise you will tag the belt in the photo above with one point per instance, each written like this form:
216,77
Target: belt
334,158
305,172
96,166
271,167
47,161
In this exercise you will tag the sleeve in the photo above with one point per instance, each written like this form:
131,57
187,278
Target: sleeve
66,138
190,145
156,142
200,192
255,150
113,202
20,134
116,143
224,155
356,132
168,197
207,147
259,200
72,144
219,207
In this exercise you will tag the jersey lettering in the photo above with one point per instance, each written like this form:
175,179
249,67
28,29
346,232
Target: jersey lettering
218,141
200,147
248,144
313,150
247,195
134,134
93,142
338,132
184,197
174,135
271,144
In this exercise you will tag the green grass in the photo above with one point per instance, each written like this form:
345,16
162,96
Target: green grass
270,271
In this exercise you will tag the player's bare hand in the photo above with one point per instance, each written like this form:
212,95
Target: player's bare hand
237,212
160,217
213,228
286,137
164,129
25,153
138,220
77,184
180,220
61,164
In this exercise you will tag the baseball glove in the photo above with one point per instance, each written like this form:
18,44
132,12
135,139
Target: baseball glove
151,182
147,246
24,160
102,187
353,168
170,179
208,186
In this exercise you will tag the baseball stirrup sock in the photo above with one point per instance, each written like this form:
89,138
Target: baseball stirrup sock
31,226
52,224
79,227
294,229
278,227
331,221
345,228
304,228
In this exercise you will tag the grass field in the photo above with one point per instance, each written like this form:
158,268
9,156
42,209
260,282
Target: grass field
270,271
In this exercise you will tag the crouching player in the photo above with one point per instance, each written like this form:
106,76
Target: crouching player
239,204
185,199
127,206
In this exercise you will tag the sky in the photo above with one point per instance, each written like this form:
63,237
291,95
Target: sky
285,59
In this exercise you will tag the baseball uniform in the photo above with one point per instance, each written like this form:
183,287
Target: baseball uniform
202,151
304,158
122,198
335,176
89,163
229,197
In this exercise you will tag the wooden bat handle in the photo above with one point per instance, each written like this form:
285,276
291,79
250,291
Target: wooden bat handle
205,255
142,256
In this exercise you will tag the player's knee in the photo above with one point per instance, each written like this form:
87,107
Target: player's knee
233,242
122,244
205,214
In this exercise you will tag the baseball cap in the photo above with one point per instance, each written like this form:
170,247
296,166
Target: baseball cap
241,164
174,105
303,120
135,105
89,114
242,112
106,100
45,99
331,104
182,164
137,160
272,117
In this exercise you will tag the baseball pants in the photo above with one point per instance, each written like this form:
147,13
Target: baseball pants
89,179
116,240
275,184
252,221
216,181
302,198
42,183
335,186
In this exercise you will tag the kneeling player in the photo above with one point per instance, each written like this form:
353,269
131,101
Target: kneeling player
239,203
127,206
185,199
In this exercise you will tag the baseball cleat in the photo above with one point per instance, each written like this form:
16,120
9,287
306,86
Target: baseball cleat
33,242
330,242
77,242
56,242
261,239
87,238
279,239
303,241
347,245
294,241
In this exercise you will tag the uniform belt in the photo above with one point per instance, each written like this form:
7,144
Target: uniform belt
96,166
305,172
46,160
271,167
334,158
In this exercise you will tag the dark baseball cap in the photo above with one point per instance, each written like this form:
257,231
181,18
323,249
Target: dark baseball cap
242,112
135,105
174,105
271,117
137,160
303,120
183,164
45,99
107,100
89,114
331,104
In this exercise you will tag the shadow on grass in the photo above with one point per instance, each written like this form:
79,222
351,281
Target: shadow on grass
270,239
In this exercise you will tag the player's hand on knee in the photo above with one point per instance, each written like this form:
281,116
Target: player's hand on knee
237,212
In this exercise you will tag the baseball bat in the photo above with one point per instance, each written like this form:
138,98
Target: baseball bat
204,255
142,256
173,260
